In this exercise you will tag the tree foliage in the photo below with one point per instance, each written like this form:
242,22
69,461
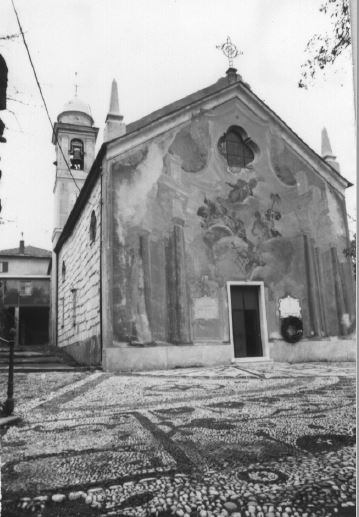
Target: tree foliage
323,49
352,253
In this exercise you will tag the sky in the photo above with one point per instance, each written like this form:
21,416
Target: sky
158,51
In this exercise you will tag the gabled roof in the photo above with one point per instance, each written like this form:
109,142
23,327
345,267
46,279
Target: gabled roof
30,252
177,105
224,83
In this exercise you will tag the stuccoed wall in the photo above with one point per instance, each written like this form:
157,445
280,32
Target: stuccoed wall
82,259
26,265
184,223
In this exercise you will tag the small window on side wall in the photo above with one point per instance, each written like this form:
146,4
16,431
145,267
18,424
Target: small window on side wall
74,303
63,271
93,224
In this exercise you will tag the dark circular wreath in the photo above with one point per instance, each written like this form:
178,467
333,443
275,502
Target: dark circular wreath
292,329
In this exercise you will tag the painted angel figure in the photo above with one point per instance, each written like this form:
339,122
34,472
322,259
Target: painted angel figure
241,190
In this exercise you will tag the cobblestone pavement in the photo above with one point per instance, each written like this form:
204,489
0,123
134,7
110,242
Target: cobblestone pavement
272,440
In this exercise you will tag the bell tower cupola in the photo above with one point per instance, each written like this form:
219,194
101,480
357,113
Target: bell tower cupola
74,138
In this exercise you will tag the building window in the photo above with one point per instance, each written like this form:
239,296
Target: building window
62,305
93,223
63,271
25,289
77,154
4,267
74,300
234,145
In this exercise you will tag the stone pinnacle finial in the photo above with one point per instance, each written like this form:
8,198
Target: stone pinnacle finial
114,120
114,108
326,147
327,153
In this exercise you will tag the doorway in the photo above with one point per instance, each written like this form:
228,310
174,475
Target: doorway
245,320
34,326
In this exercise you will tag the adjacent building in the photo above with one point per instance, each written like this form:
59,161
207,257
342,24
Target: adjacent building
25,293
205,232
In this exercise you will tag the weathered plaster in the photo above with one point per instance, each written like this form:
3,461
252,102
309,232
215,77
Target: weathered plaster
238,225
191,145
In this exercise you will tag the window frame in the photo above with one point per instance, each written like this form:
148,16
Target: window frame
247,149
4,266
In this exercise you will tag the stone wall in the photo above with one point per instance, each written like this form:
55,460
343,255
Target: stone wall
78,301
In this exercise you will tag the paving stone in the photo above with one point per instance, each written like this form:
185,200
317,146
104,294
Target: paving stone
58,498
222,443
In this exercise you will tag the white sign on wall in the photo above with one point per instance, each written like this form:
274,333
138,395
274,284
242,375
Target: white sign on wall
289,306
205,308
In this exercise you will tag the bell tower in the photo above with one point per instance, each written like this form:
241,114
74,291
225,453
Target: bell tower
74,138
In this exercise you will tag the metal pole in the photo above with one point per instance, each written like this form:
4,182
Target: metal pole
8,407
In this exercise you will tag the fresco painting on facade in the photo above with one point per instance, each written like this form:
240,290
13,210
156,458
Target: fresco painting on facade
209,191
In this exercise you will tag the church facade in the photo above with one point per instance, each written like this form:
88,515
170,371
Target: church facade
206,232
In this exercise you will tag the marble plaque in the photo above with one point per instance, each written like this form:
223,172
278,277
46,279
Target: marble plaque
206,308
289,306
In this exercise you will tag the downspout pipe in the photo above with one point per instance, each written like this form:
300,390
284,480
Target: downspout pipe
57,299
101,237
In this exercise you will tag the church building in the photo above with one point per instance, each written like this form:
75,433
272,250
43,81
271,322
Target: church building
204,233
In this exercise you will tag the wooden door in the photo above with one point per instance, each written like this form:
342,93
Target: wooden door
246,321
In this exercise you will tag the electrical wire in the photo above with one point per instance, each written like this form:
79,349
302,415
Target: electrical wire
42,95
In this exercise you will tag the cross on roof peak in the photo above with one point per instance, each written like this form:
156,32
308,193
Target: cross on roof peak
230,50
76,85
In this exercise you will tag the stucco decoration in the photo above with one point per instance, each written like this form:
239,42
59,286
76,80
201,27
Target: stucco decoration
225,231
276,256
129,163
135,182
219,220
289,306
284,161
337,214
264,227
284,173
191,145
241,190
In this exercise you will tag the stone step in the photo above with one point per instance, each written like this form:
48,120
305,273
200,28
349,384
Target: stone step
45,368
40,359
5,353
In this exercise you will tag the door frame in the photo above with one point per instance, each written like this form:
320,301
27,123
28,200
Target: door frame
262,320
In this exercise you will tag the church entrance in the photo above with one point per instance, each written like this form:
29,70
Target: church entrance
245,320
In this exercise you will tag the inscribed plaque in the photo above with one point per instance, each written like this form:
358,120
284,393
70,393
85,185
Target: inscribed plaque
205,308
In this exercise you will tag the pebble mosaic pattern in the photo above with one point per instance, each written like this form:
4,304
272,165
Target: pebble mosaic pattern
189,443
